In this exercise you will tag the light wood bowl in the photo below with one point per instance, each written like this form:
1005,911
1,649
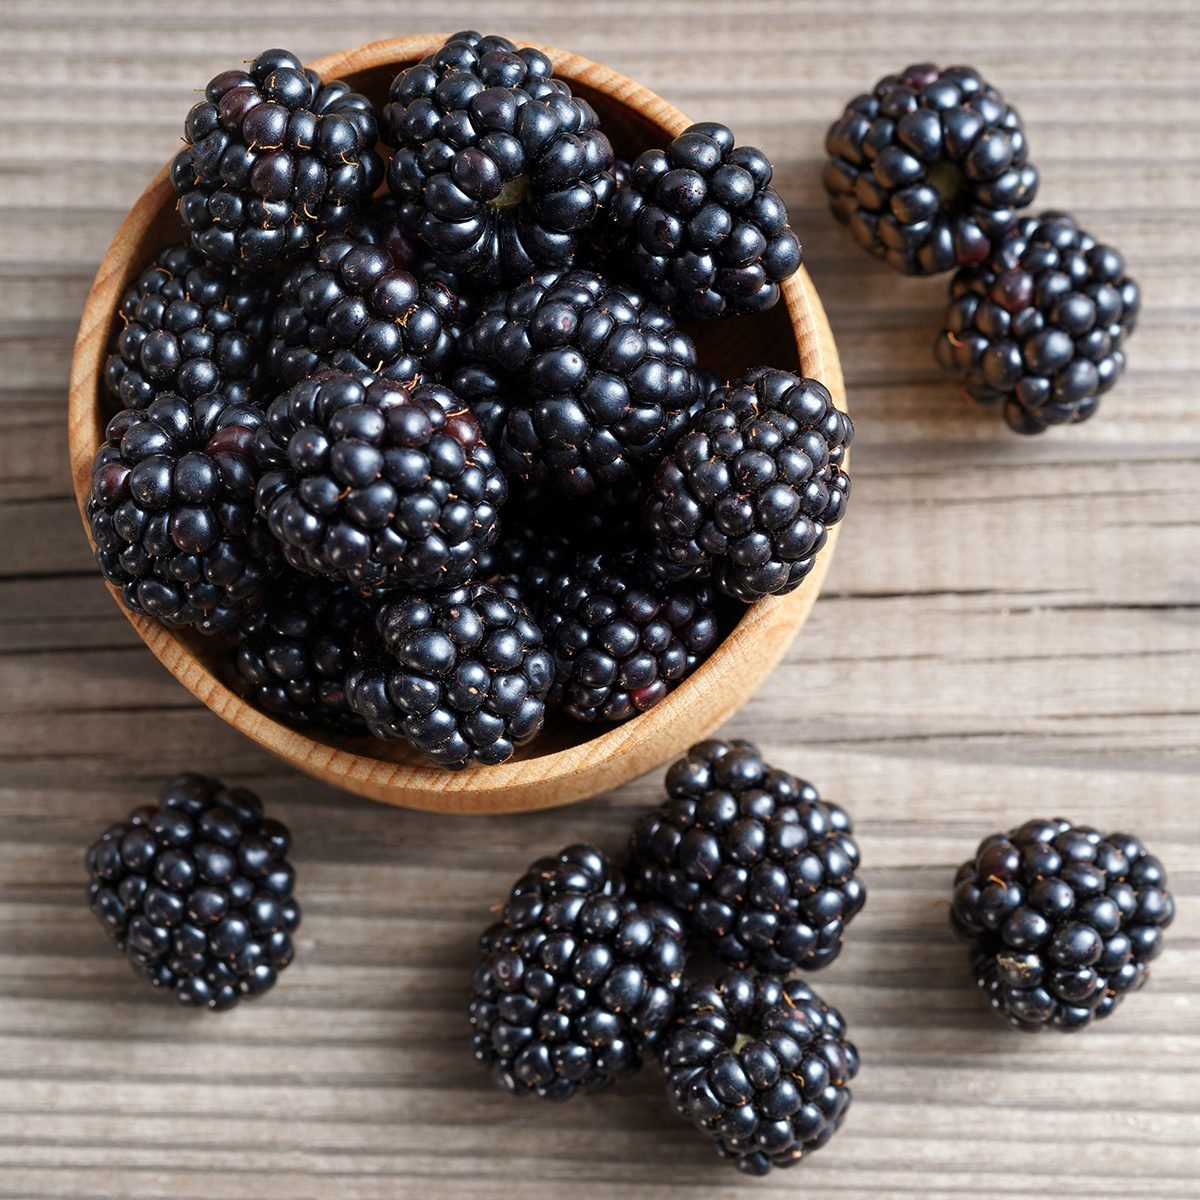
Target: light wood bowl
570,761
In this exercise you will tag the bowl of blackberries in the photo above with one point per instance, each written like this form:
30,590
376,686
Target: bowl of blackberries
456,419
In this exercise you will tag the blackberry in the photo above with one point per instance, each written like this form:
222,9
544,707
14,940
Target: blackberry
172,512
189,327
762,1066
577,381
378,485
929,169
621,638
292,655
1039,329
273,157
759,864
575,980
701,228
749,490
198,892
461,675
1062,922
498,168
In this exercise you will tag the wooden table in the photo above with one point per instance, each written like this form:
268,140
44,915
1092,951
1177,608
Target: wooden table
1010,629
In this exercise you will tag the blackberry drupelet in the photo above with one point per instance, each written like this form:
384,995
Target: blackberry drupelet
1039,329
700,227
273,158
575,981
378,485
1062,922
498,168
762,1066
760,866
749,490
189,327
198,892
929,169
460,675
577,381
621,638
172,512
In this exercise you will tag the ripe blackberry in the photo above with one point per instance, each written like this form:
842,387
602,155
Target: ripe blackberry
929,169
575,981
1039,328
172,512
292,655
762,867
749,490
621,638
189,327
377,485
762,1066
701,228
577,380
1062,922
460,675
272,158
498,168
198,892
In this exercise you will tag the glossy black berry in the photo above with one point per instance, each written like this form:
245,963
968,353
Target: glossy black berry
575,980
761,1065
762,868
198,892
929,169
1039,329
1062,922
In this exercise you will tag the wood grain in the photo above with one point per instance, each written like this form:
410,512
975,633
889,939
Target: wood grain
1011,627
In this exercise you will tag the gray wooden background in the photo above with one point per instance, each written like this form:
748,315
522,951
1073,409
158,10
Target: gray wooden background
1012,628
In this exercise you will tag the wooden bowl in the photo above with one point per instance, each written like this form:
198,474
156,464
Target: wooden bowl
569,761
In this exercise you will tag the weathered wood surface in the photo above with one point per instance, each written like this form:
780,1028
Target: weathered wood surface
1011,628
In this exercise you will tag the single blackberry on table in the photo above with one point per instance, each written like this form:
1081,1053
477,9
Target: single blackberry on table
460,675
1039,329
378,485
172,512
761,867
274,157
198,892
189,327
1062,921
498,168
929,169
762,1066
575,980
748,492
700,227
577,381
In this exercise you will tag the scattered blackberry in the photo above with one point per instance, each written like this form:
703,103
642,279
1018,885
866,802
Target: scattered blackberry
172,511
189,327
577,380
1062,922
762,1066
461,675
621,638
198,892
273,158
1040,327
701,228
575,980
378,485
762,867
749,490
929,169
498,168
